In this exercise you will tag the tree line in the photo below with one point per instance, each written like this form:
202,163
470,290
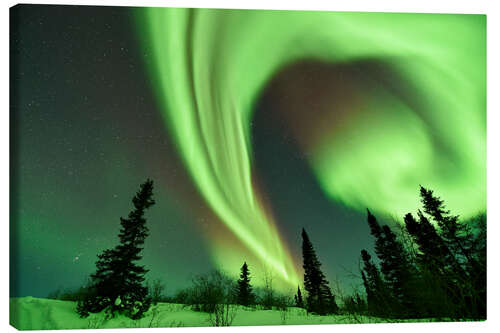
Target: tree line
434,266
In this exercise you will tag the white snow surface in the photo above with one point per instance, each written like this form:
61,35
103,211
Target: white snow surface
29,313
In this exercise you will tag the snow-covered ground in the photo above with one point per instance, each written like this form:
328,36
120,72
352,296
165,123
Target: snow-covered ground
29,313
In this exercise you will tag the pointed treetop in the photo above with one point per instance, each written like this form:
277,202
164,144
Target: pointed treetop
410,223
373,224
305,236
143,198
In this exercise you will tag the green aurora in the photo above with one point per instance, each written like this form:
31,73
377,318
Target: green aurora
211,66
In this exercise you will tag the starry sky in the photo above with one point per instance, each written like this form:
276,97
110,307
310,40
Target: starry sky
245,146
85,133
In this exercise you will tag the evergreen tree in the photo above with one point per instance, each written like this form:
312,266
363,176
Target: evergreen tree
117,284
440,296
431,248
457,236
395,266
330,302
478,273
377,295
245,294
455,259
398,271
299,302
319,296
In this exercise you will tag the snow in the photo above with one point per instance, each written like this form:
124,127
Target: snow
29,313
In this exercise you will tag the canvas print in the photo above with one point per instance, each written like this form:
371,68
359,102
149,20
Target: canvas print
178,167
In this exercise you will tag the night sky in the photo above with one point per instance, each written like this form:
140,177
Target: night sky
90,121
86,132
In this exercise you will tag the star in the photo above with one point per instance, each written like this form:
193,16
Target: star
75,259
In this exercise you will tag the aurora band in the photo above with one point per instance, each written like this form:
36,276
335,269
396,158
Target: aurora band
209,67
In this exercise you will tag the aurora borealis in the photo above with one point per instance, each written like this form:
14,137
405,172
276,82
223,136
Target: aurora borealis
212,65
253,124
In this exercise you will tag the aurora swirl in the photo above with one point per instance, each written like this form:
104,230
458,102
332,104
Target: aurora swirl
210,67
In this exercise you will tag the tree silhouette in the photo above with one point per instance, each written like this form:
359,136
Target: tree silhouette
319,296
435,268
245,295
299,302
436,265
449,259
330,303
377,295
457,236
397,270
117,284
478,273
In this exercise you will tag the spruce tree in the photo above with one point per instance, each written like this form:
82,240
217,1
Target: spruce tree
456,235
245,294
377,295
433,252
117,284
395,266
299,302
461,268
436,272
330,302
319,296
399,273
478,273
